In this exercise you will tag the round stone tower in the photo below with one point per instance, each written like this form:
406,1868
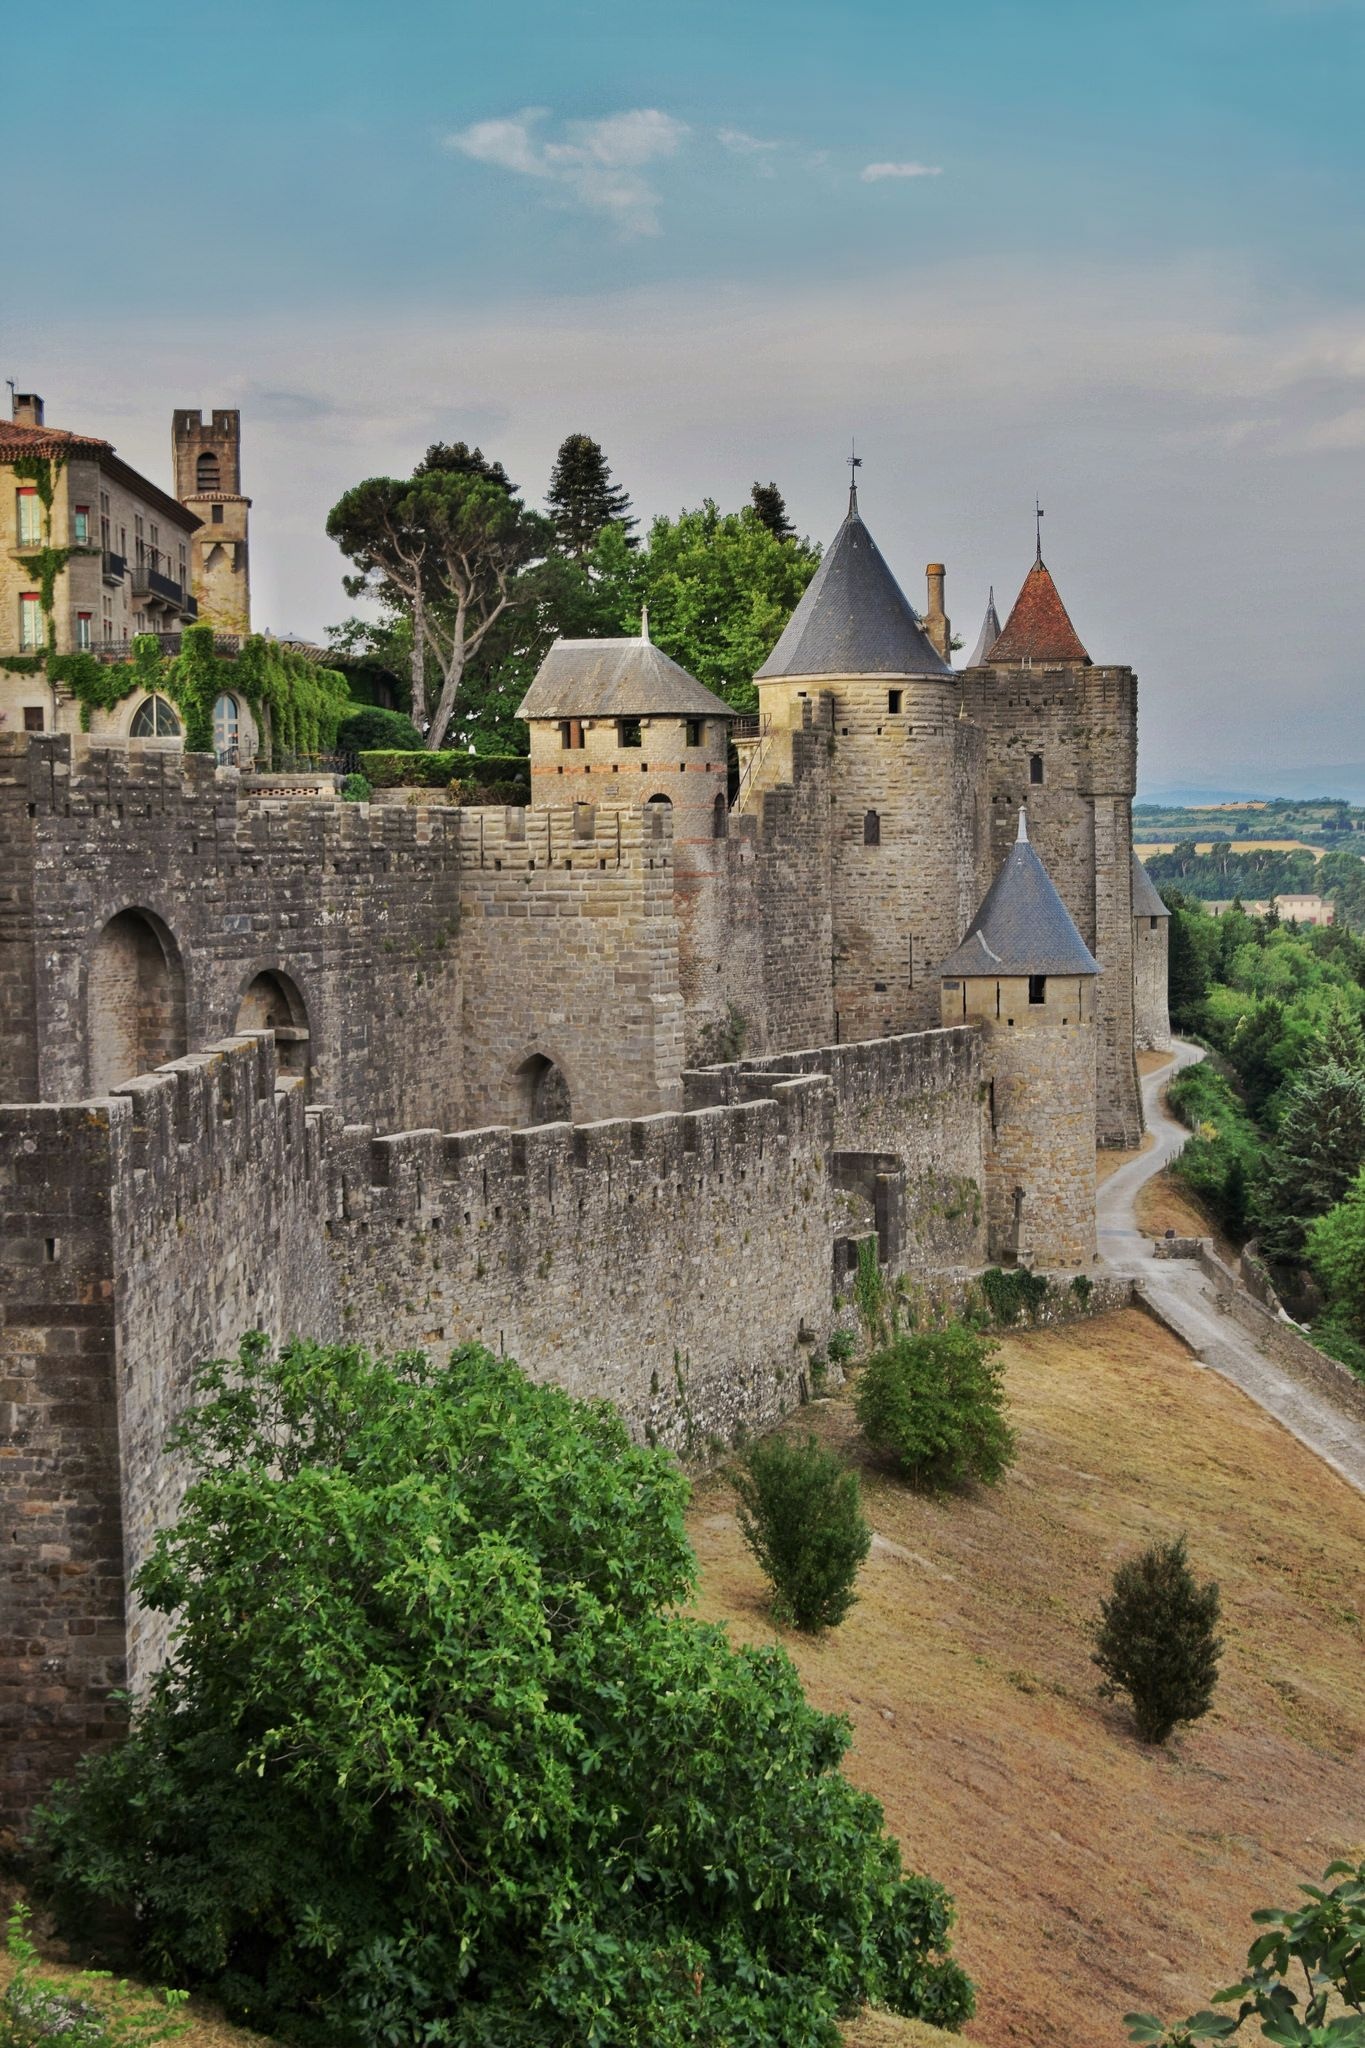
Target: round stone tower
908,813
1151,939
1025,976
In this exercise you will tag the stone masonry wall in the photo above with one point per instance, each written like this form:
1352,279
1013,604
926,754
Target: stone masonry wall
569,952
357,905
917,1099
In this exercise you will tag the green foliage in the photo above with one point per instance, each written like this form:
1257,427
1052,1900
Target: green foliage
375,728
1336,1252
1322,1943
355,789
771,507
1223,1156
841,1347
801,1515
582,498
1156,1641
869,1292
719,586
723,1038
935,1402
1014,1292
1261,872
1192,951
437,1756
90,2010
1318,1150
502,778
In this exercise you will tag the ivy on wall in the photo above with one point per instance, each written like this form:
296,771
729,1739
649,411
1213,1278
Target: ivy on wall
296,704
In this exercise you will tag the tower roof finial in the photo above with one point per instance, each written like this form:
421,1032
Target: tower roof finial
1021,837
644,623
855,463
1038,517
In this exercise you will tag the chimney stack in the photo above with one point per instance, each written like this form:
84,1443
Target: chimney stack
28,409
936,621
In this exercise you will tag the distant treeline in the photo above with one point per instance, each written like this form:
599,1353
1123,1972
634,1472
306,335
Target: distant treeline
1224,875
1319,819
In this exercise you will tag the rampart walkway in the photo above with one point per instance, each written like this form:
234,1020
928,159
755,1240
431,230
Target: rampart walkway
1186,1299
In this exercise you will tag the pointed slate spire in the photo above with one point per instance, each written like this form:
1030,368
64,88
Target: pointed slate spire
989,634
1038,629
1146,902
1023,926
853,619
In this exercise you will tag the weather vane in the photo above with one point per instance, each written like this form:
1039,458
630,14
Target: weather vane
855,463
1038,526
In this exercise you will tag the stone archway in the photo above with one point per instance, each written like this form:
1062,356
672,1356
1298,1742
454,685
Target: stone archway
135,1000
540,1093
272,1002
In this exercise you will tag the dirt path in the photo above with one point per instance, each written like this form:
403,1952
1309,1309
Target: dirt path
1177,1291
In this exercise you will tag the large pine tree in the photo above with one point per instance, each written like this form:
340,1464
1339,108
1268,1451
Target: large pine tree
771,508
582,498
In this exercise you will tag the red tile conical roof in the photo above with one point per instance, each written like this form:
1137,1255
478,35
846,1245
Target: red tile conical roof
1038,628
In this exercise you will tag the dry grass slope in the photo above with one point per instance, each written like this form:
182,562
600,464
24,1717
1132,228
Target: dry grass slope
1093,1875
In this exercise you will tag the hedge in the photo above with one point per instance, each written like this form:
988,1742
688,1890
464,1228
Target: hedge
439,768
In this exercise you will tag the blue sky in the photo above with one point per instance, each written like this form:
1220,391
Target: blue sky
1113,254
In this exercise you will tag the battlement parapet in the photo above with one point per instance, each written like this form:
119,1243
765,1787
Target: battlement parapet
581,836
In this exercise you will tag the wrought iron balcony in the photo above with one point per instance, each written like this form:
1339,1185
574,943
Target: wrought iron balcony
115,567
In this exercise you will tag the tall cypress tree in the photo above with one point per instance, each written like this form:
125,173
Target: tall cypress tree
771,508
582,498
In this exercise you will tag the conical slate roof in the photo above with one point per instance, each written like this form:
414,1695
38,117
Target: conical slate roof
1023,926
989,634
1038,628
1146,902
853,619
616,679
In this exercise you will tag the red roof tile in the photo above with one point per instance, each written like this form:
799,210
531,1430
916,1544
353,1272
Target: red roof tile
1038,628
21,440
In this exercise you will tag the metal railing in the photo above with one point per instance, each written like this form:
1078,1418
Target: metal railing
114,567
760,731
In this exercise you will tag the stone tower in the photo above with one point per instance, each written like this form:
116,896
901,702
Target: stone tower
1151,938
907,782
1061,737
619,722
1025,976
208,481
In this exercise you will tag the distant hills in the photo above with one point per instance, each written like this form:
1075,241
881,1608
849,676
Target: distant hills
1343,780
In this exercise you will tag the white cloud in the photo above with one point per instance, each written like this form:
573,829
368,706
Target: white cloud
742,143
872,174
598,165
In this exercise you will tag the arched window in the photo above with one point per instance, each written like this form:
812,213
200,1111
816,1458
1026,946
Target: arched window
720,818
1035,767
226,729
154,720
660,798
540,1092
872,829
135,1000
206,472
272,1003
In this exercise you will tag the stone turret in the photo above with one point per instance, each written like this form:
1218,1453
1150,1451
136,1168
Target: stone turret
907,781
1151,940
1061,735
1026,977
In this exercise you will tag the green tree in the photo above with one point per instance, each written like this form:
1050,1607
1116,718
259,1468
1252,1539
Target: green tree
1336,1253
1260,1053
1156,1640
801,1515
438,1756
582,498
1192,947
1318,1150
448,546
1309,1962
771,508
935,1402
719,586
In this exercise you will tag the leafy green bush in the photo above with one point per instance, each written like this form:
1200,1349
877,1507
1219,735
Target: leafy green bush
438,769
437,1757
1223,1156
1156,1641
935,1402
801,1515
1323,1943
841,1347
376,727
355,789
90,2010
1013,1292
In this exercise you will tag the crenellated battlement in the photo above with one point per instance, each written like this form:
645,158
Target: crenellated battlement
582,836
